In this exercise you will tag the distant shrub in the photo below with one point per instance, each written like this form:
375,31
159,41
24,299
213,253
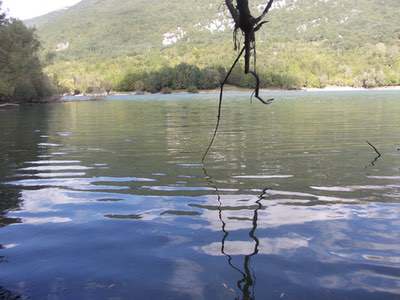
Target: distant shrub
193,89
166,90
106,86
153,90
25,90
139,86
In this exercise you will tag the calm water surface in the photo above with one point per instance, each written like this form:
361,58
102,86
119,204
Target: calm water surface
107,200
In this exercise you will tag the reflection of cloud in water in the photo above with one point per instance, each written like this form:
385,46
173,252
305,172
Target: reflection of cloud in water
361,280
45,220
46,200
176,188
276,212
56,200
385,177
190,165
372,258
332,188
52,175
49,145
262,176
183,188
9,246
185,279
64,134
80,183
369,280
55,168
354,188
267,246
50,162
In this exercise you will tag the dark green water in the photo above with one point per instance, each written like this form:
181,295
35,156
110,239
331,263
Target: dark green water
107,200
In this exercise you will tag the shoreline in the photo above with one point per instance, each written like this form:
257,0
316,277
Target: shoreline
238,89
350,88
229,89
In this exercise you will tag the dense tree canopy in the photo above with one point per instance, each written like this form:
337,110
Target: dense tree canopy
21,76
291,66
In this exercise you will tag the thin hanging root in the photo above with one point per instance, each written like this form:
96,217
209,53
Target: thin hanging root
257,90
220,104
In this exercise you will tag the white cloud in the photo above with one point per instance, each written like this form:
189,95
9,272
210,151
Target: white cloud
26,9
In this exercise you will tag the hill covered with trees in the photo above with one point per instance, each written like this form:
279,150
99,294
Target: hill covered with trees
137,44
21,75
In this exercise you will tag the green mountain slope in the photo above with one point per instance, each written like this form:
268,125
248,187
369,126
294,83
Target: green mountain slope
135,43
114,27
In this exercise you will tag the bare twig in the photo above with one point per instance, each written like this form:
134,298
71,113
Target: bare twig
379,155
265,12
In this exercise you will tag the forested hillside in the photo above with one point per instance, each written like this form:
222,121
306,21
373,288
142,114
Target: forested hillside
306,43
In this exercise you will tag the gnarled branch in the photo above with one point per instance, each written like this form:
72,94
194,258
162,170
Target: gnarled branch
265,12
248,25
232,9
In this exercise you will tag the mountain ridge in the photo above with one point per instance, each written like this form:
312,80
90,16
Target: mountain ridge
306,43
115,27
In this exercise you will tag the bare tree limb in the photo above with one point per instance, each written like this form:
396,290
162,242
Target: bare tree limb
265,12
248,25
221,94
257,90
234,12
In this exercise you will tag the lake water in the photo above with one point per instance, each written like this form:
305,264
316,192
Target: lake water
108,200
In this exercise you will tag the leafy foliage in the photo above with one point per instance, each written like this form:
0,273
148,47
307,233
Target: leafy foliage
21,76
288,66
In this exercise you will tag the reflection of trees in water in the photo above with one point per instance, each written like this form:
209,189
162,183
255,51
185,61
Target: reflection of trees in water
247,283
7,295
21,132
20,136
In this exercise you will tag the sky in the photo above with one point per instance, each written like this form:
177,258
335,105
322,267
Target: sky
26,9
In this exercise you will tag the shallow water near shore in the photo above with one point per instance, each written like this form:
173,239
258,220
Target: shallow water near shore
109,200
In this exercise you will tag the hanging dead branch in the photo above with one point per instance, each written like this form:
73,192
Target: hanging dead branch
247,25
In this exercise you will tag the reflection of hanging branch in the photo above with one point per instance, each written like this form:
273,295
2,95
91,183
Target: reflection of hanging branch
248,278
248,26
225,232
379,155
